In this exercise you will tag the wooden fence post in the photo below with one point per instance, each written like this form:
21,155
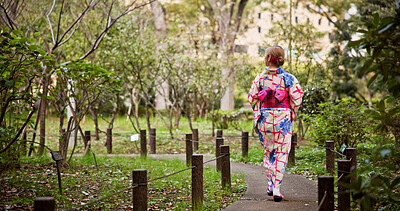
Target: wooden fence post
330,156
343,193
292,156
245,143
143,144
109,141
226,168
218,142
195,139
326,186
219,133
152,137
189,149
351,154
197,182
139,193
44,204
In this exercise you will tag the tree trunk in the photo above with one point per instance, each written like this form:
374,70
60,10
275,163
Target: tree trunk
11,11
42,111
162,92
213,117
94,116
227,100
114,113
147,117
177,117
228,15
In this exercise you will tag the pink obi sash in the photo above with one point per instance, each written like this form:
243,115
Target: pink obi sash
273,98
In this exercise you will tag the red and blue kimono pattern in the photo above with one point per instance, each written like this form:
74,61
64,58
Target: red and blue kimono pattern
275,97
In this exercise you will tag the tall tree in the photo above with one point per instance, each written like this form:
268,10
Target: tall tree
162,92
228,15
61,21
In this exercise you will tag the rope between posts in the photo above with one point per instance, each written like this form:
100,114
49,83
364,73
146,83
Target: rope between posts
326,148
168,175
322,201
191,167
148,181
221,156
338,179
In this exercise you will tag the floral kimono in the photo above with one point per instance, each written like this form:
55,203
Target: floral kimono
275,97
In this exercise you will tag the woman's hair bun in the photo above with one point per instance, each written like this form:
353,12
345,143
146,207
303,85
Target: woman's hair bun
278,52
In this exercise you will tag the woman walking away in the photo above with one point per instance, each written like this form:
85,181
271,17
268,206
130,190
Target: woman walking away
275,97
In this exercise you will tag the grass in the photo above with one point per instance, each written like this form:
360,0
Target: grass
310,161
83,182
123,130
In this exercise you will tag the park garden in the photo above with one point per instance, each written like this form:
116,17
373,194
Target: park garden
68,67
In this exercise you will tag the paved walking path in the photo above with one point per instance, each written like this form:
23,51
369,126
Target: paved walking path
299,192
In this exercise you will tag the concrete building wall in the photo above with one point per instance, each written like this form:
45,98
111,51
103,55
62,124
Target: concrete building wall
257,33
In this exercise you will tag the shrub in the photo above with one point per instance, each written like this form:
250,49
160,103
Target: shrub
343,123
313,96
226,119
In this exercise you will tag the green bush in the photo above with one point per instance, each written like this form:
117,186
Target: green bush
227,119
343,123
313,96
377,184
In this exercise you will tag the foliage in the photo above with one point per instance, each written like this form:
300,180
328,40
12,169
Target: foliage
378,46
82,182
377,184
79,85
313,96
227,119
20,66
387,118
255,156
343,123
310,162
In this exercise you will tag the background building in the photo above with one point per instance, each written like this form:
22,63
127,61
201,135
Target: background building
257,34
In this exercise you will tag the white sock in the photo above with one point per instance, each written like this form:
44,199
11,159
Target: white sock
276,192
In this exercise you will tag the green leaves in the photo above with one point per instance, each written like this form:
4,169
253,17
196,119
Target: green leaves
9,83
342,122
20,61
380,35
17,32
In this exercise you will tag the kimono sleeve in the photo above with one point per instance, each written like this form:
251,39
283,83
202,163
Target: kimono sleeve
254,101
296,96
253,94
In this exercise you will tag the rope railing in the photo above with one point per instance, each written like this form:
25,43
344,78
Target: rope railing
214,159
338,179
322,201
148,181
342,155
168,175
